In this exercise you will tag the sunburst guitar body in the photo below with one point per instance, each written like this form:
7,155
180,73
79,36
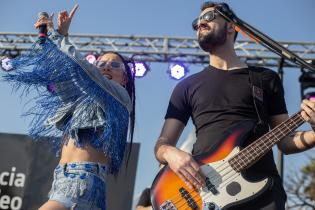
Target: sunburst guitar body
222,166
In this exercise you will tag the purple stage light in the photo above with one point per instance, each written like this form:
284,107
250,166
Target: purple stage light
6,64
141,68
310,95
178,71
90,58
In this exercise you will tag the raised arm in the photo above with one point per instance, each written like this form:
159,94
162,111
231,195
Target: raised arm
64,20
61,39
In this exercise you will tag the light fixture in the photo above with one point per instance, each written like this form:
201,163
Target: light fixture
177,70
307,82
6,64
141,68
91,58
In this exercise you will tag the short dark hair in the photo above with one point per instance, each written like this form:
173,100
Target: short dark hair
209,4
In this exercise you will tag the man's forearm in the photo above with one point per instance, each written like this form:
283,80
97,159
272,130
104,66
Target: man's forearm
298,141
161,148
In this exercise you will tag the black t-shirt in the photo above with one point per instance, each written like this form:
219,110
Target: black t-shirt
144,199
216,99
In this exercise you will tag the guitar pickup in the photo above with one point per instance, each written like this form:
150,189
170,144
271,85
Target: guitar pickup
211,187
190,201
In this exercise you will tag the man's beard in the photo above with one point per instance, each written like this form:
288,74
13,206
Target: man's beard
209,41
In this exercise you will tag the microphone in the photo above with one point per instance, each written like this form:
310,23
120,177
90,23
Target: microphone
42,29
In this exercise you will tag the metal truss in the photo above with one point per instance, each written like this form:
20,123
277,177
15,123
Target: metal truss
158,49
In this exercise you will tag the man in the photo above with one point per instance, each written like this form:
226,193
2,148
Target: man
219,97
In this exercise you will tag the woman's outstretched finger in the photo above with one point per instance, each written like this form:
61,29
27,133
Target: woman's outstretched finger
73,11
51,16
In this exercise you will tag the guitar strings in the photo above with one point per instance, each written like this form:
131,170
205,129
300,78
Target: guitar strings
223,184
195,193
217,178
232,170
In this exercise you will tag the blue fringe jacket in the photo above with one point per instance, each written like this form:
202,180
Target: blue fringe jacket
78,98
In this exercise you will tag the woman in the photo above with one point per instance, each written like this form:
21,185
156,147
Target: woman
90,104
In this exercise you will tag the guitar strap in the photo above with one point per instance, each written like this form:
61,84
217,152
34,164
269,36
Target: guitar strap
256,82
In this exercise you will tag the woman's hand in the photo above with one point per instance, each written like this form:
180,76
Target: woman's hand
64,20
45,21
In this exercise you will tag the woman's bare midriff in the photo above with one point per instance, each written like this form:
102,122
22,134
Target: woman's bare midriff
71,153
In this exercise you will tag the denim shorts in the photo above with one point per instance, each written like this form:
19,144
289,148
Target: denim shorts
80,185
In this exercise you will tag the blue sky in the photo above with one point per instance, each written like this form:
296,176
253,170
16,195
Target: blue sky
283,20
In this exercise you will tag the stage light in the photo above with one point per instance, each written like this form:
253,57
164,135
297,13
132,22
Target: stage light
310,95
90,58
6,64
141,69
177,70
307,82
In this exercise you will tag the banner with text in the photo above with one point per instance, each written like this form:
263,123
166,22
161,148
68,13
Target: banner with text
26,169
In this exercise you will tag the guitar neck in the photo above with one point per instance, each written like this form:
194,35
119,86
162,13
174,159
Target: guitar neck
253,152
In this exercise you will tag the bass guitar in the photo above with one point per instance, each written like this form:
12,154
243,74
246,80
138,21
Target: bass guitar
223,166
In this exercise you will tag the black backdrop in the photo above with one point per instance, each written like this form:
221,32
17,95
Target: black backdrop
26,170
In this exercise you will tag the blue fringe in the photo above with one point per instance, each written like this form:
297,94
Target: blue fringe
46,66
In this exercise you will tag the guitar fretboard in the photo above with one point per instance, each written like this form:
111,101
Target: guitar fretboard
253,152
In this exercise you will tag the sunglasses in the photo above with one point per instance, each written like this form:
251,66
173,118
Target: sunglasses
208,16
115,65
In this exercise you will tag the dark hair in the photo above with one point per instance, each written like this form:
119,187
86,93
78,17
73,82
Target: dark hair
209,4
130,87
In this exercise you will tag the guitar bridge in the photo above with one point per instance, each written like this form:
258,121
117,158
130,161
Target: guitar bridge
168,205
211,186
